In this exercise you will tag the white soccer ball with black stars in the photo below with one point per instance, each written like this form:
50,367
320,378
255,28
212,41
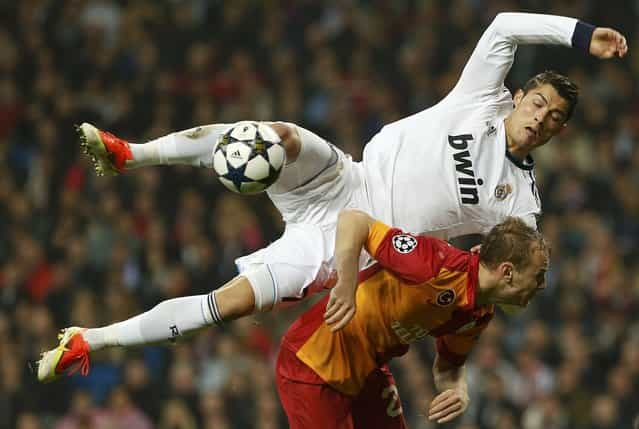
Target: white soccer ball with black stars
249,157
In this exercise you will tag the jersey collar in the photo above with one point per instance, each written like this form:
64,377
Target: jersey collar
471,287
527,164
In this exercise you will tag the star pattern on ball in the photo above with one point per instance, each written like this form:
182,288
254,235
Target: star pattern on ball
236,175
261,149
246,162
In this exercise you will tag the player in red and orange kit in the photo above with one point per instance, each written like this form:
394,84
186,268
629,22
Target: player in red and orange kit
334,374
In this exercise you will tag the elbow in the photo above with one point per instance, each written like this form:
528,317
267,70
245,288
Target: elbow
505,24
283,129
500,22
503,18
509,20
290,139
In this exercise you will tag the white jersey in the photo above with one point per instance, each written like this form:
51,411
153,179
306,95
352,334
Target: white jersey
446,170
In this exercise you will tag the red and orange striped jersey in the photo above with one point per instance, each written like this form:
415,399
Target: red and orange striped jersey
419,286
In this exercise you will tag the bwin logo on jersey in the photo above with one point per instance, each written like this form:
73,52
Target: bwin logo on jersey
464,167
404,243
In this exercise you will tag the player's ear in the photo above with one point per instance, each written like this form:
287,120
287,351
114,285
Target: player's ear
506,270
519,95
563,128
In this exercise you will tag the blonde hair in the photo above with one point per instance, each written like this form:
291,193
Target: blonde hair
510,241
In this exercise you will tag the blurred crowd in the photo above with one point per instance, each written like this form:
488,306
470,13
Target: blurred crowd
76,249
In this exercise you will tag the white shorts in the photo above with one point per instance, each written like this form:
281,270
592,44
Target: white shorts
300,262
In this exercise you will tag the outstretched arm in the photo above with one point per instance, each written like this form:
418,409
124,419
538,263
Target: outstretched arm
484,74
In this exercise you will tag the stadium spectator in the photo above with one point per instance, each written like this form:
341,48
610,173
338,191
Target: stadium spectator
75,249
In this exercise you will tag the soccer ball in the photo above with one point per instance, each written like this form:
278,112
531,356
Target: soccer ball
249,157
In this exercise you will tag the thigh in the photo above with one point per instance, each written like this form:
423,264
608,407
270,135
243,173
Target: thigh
297,261
311,405
319,201
378,405
299,264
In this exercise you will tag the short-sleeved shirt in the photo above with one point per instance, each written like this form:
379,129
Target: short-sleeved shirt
420,286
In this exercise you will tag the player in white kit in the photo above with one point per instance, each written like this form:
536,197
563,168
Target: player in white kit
457,168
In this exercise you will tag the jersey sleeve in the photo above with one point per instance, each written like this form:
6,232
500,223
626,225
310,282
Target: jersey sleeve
484,74
455,348
415,259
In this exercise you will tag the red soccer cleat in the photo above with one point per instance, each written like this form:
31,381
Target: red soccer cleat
71,355
108,153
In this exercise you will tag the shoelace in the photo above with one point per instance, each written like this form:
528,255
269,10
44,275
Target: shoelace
84,365
82,355
108,134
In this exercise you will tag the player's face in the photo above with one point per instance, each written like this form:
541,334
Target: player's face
522,285
538,116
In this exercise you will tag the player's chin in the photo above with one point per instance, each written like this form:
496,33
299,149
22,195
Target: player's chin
531,142
511,309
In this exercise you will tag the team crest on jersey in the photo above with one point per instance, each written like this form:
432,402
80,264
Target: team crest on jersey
445,298
502,191
404,243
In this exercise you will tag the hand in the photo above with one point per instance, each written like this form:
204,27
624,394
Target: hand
476,249
340,308
448,405
608,43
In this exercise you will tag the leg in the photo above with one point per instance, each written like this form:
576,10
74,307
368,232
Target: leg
167,321
378,405
260,288
177,317
112,155
310,405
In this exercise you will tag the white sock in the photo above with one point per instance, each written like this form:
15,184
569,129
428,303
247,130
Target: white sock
191,147
166,321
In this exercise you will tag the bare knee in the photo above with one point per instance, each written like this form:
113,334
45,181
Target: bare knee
290,139
235,299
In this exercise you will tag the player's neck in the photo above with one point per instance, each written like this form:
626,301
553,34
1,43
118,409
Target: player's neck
485,286
515,150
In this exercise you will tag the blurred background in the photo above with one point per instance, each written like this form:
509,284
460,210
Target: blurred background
80,250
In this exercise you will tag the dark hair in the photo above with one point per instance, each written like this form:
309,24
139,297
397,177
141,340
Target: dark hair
567,89
509,241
